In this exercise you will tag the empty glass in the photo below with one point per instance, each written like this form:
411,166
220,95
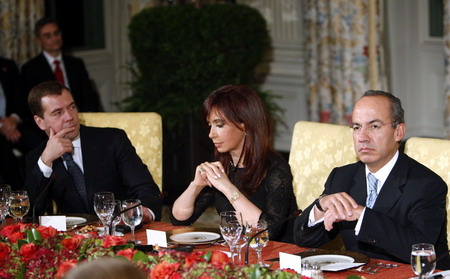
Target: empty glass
116,211
104,206
231,228
259,241
5,192
423,259
19,204
132,217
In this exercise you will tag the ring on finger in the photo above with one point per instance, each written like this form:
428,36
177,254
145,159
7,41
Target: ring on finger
201,170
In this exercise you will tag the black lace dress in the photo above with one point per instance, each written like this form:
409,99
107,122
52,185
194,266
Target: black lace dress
275,197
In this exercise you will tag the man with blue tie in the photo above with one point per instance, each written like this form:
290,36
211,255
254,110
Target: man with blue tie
384,203
77,161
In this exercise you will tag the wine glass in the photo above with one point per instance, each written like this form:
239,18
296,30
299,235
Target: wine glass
241,243
231,228
132,217
423,259
259,241
116,212
5,192
19,204
104,206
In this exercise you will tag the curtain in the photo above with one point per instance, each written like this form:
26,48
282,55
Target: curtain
344,57
17,19
447,64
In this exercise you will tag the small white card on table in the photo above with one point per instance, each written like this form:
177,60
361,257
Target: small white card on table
156,238
290,261
57,222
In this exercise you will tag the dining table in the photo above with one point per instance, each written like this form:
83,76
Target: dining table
384,269
270,254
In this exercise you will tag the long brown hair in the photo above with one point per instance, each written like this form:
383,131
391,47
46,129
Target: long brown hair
241,104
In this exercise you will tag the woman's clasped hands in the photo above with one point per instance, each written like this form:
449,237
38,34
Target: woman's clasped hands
212,174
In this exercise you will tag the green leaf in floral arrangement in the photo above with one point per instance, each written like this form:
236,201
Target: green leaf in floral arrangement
21,274
85,246
354,277
256,273
21,242
140,256
282,275
207,256
36,236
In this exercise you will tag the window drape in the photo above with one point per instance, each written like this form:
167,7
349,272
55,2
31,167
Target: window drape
17,19
344,55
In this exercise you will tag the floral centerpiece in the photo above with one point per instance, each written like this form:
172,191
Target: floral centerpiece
31,251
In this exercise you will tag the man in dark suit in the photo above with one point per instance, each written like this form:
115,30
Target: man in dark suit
105,156
15,129
384,203
52,64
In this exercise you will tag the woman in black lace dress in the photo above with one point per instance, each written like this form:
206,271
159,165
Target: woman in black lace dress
248,176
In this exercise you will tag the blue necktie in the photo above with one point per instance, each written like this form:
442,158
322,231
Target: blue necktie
372,196
77,176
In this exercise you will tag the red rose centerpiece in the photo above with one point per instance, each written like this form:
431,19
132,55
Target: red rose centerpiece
31,251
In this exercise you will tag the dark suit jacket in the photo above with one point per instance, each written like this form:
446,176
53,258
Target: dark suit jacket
38,70
10,79
410,208
110,164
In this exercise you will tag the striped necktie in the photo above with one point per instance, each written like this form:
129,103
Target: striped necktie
372,196
77,176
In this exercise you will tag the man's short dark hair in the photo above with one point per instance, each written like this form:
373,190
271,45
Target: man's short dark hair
41,23
398,114
41,90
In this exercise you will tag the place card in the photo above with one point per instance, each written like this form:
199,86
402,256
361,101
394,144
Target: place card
155,237
57,222
290,261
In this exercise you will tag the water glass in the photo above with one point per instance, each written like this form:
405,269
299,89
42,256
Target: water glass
116,212
19,204
259,241
5,193
104,206
132,217
423,259
231,229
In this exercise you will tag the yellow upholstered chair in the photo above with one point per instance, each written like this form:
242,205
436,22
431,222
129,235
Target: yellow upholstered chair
434,154
144,129
316,149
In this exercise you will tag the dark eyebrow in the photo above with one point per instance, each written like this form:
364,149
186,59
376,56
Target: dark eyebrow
370,122
55,110
218,120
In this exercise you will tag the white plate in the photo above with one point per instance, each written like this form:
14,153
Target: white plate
71,221
324,260
194,237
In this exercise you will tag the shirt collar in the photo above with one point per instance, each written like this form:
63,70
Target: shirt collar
51,59
383,173
77,142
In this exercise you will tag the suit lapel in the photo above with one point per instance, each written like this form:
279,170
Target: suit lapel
89,149
46,68
359,189
393,187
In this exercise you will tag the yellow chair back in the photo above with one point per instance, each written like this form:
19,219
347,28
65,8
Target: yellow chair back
434,154
316,149
144,129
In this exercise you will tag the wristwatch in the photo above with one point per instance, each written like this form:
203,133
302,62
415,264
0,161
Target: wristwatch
234,197
317,202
